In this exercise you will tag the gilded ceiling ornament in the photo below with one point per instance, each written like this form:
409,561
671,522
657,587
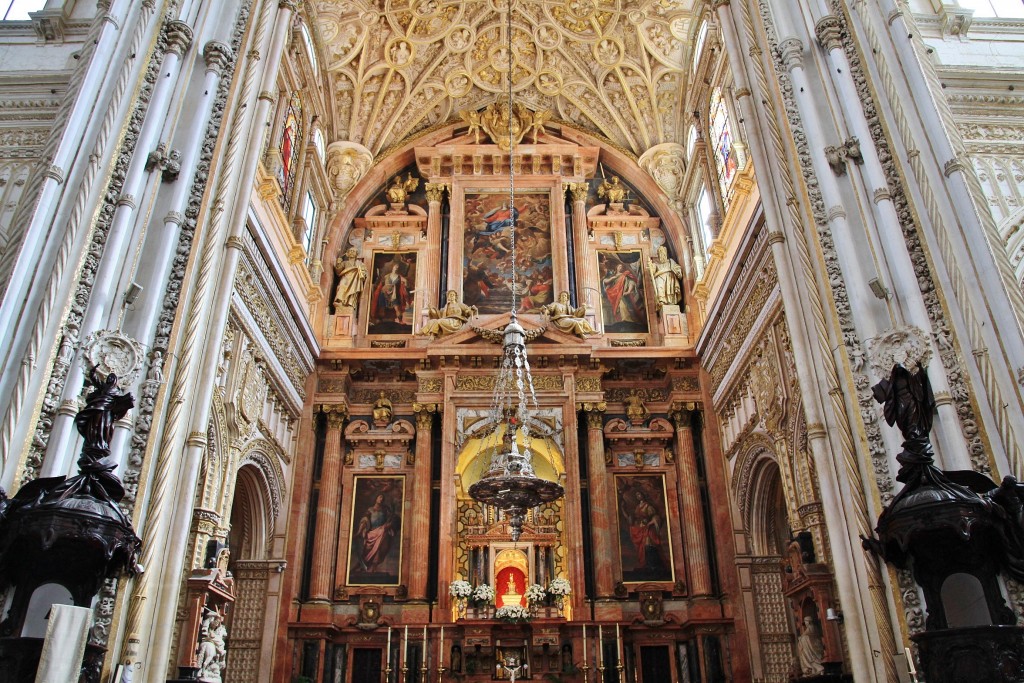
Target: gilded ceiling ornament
458,84
398,192
500,123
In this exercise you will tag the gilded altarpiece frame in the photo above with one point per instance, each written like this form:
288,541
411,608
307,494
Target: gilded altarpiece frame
376,530
644,528
466,219
623,287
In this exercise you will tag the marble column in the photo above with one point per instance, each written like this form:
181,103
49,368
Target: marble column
432,252
601,504
419,527
694,535
586,265
329,504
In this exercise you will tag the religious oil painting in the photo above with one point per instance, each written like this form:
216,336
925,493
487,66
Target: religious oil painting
644,548
487,254
391,293
622,291
375,553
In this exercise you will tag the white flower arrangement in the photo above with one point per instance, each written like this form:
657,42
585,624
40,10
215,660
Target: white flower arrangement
513,613
460,589
535,593
483,593
559,587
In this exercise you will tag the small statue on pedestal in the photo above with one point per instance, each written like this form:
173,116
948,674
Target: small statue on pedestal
352,276
383,411
398,192
212,648
810,649
668,278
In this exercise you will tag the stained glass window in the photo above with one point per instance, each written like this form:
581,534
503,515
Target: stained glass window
721,138
291,134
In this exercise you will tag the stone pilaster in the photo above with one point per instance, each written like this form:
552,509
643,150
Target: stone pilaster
601,503
419,527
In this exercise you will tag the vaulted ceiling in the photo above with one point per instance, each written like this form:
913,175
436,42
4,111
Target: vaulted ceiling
617,68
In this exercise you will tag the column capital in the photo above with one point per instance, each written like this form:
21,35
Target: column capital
217,55
829,32
792,52
578,190
336,414
179,37
680,412
435,191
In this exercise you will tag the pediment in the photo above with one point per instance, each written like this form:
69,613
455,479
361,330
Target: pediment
494,324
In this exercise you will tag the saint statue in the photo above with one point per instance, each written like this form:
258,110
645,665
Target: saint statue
568,319
212,654
810,650
668,278
398,192
612,190
351,277
450,318
383,411
636,411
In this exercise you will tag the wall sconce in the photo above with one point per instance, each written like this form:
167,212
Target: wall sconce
832,614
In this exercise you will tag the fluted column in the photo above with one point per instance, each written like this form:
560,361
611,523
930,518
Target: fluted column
432,253
419,526
600,505
692,511
329,504
586,267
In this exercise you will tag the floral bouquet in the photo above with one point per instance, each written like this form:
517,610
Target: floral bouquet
483,594
460,589
513,614
535,593
559,587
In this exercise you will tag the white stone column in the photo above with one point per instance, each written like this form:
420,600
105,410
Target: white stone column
853,576
167,537
102,299
951,449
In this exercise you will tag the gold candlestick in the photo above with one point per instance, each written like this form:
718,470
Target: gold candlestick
584,668
423,673
405,672
387,673
600,669
440,673
621,667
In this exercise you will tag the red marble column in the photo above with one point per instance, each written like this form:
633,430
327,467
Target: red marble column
694,536
419,523
432,251
586,265
601,505
326,538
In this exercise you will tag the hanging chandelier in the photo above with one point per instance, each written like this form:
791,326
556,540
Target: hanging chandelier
510,484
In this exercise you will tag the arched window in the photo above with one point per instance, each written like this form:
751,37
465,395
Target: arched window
291,133
704,212
310,48
320,143
698,46
691,140
721,139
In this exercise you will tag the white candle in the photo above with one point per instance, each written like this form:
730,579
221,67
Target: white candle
600,644
910,661
426,653
584,644
405,646
440,650
389,648
618,639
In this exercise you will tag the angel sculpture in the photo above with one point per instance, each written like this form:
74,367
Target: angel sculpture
399,191
537,121
473,119
568,319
